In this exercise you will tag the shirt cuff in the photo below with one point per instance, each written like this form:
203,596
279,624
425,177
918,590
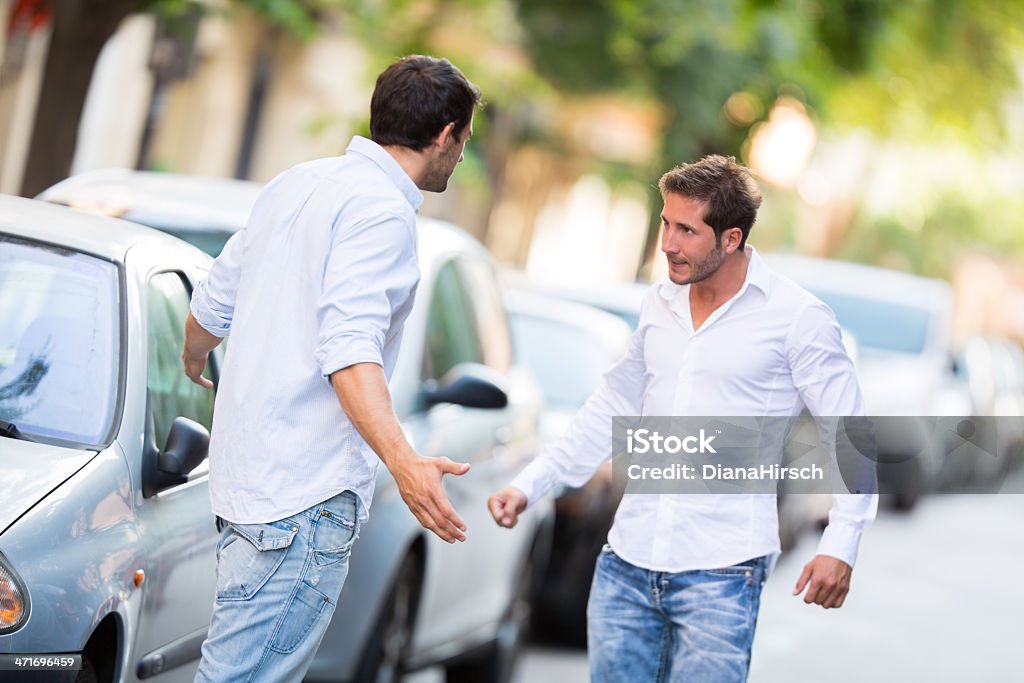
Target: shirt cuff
535,480
345,350
841,541
217,323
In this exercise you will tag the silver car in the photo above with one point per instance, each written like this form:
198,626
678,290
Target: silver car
410,600
106,536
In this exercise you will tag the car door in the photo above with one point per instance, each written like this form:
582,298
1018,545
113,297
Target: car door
466,586
177,525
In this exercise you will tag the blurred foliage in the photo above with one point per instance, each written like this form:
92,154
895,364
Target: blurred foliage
920,70
952,226
897,67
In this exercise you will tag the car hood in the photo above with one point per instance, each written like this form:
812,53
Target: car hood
30,471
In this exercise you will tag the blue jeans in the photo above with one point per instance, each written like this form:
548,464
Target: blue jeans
649,627
277,586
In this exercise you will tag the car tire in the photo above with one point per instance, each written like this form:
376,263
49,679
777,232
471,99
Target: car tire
87,674
391,640
494,662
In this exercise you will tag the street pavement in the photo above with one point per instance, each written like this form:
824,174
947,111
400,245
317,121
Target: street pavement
937,595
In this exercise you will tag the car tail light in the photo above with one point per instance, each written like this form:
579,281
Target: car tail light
13,600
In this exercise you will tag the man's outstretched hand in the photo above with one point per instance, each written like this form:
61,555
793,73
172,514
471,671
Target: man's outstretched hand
506,505
363,393
829,580
419,482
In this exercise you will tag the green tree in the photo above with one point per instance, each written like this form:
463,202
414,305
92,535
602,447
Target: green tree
908,69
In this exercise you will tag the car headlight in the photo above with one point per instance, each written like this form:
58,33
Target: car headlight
13,600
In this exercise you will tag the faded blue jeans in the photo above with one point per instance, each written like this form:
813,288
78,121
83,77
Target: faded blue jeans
650,627
277,587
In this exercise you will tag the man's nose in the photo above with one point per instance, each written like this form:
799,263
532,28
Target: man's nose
668,245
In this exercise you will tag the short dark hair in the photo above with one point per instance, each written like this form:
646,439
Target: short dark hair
416,97
728,189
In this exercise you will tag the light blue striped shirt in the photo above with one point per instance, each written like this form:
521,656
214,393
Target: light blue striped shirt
322,277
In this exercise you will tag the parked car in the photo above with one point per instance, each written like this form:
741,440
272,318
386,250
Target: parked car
994,370
902,326
619,300
107,542
410,600
567,347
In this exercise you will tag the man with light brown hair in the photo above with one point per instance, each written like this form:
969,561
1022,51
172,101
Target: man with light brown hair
676,590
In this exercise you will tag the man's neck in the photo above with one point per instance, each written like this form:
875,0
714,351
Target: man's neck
412,162
725,283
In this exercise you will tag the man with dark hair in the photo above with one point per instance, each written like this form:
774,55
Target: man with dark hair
676,590
315,291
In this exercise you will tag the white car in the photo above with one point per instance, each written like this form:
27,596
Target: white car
902,326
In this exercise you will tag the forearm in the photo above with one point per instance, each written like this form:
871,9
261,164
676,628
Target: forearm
198,342
363,393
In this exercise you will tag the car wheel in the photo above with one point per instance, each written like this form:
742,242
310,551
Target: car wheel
494,662
87,674
389,644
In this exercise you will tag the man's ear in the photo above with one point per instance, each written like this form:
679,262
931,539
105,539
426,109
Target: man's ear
445,137
733,238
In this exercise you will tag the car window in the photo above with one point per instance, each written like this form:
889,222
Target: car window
881,325
566,360
451,329
172,394
489,313
59,342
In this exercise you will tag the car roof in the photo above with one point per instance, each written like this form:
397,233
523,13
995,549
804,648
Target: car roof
159,199
871,282
191,202
548,307
102,236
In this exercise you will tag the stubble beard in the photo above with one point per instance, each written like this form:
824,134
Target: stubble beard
705,268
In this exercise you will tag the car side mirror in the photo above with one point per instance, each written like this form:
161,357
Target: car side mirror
187,446
468,384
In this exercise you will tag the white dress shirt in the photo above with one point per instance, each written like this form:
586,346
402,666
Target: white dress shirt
768,351
322,277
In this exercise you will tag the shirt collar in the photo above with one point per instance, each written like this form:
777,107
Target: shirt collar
378,155
758,275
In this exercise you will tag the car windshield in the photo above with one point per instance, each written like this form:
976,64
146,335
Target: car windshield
880,325
59,343
565,360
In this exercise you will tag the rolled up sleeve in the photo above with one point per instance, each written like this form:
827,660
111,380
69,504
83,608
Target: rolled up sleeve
213,299
370,272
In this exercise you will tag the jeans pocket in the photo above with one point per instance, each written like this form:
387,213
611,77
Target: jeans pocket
751,571
742,570
307,607
249,556
335,530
